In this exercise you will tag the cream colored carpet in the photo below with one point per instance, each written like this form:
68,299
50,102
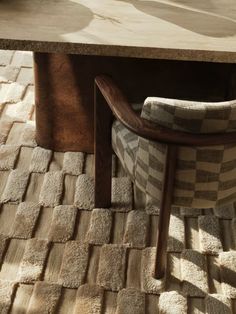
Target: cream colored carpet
60,255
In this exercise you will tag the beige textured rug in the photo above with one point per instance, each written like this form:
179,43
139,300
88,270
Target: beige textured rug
60,255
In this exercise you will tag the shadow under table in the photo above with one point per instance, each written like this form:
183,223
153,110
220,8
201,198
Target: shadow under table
64,90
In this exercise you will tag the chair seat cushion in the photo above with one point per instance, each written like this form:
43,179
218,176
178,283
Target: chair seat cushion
125,145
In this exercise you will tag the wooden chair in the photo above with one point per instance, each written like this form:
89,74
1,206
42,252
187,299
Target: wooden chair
181,153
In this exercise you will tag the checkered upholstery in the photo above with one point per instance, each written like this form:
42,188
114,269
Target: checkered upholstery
125,145
205,176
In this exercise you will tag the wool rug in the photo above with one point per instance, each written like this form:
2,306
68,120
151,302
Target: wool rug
59,254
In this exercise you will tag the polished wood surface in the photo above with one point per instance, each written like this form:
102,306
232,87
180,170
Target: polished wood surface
145,128
167,29
165,211
64,90
103,151
64,111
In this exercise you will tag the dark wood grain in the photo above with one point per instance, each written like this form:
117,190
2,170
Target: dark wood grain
103,151
165,210
64,90
147,129
64,111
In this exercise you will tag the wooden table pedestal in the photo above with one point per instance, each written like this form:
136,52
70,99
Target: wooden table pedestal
64,90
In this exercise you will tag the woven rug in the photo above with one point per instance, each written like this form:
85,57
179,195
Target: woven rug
58,254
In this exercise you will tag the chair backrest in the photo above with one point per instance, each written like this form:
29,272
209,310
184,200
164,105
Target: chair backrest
205,176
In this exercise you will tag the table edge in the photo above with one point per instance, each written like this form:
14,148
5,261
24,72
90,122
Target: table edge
119,51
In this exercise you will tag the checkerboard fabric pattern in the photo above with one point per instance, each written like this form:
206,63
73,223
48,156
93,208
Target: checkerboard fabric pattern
125,145
205,176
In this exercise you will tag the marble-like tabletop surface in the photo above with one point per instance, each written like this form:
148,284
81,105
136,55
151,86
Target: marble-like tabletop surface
202,30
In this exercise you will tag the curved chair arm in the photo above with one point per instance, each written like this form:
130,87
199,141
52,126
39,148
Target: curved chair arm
149,130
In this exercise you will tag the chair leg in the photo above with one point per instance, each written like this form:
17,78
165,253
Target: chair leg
102,150
165,210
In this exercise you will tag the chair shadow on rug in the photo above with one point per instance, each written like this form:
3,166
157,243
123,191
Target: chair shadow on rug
180,153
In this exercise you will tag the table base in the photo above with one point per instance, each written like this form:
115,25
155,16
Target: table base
64,91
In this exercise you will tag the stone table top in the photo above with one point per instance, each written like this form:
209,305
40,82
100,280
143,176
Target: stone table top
203,30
